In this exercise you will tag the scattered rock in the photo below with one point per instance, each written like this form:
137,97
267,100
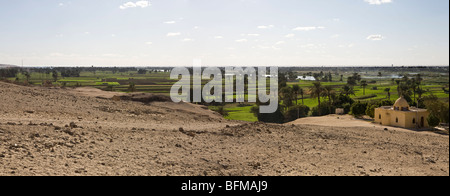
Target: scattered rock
192,134
73,125
430,160
256,165
35,135
32,124
80,170
68,131
69,145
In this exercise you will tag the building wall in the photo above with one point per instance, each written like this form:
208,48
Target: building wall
385,116
378,112
410,117
400,118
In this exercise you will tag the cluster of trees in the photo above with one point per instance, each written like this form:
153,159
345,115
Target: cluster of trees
289,108
439,111
354,79
8,73
74,72
411,90
368,108
142,71
58,72
291,105
332,99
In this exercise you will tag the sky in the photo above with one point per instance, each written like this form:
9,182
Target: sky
224,32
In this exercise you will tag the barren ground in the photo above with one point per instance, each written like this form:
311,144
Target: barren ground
72,132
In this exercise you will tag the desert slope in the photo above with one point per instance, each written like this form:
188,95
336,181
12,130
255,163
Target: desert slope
64,132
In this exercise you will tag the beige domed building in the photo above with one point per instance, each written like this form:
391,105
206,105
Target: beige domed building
402,115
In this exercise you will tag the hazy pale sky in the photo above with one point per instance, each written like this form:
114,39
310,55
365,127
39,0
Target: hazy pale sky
224,32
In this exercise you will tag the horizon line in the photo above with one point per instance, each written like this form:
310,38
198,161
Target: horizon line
149,66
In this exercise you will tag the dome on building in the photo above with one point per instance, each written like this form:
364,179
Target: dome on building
401,104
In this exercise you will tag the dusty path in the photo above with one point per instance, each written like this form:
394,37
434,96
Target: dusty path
59,132
348,121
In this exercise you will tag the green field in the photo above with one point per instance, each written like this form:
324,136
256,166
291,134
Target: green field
160,83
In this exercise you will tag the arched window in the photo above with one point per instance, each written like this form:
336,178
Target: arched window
396,120
379,116
414,121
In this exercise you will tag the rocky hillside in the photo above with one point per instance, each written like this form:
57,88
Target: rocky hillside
50,131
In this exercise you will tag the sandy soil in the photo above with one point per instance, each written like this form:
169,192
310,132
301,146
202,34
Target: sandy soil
95,92
67,132
349,121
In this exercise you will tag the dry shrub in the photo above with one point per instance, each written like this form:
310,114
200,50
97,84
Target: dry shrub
149,98
116,98
47,83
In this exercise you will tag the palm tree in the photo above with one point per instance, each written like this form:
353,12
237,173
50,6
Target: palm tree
388,91
286,94
364,85
296,91
420,92
316,91
302,93
419,80
132,87
398,87
414,85
404,90
55,76
357,77
27,76
328,90
348,90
